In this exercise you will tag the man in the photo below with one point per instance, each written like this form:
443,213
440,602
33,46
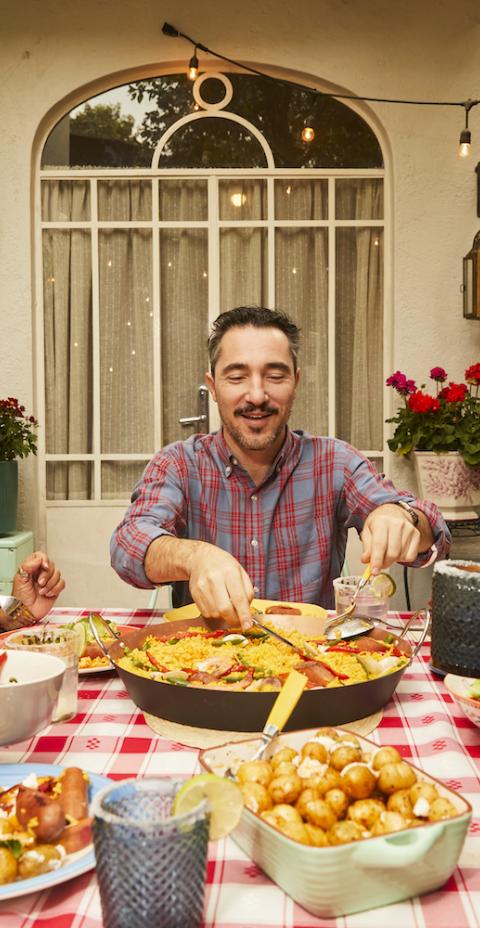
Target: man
256,507
36,585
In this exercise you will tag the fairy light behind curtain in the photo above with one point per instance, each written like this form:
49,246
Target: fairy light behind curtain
126,329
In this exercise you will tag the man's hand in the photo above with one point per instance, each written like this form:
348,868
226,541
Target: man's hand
220,586
389,535
37,584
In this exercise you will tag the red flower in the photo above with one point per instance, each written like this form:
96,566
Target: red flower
454,393
423,402
438,374
472,374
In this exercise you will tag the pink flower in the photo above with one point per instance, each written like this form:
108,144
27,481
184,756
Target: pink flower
438,374
399,382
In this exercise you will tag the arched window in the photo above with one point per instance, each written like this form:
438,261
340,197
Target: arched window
162,207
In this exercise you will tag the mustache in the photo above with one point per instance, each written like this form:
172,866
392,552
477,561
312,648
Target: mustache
264,407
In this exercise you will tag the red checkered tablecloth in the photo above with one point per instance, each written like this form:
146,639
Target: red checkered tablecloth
109,736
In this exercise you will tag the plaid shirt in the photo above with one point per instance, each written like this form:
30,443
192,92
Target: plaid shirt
289,533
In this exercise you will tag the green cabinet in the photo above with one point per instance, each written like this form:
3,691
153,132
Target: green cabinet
14,548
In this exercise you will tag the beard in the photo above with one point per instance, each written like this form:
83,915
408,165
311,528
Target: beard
258,438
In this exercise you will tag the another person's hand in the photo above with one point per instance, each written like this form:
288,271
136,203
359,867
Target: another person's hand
389,536
220,586
37,584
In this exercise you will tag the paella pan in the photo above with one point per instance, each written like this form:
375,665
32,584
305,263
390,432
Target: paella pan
238,709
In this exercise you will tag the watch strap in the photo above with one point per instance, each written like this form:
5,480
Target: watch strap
409,509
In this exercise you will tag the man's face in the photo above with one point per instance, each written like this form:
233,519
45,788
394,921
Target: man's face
254,386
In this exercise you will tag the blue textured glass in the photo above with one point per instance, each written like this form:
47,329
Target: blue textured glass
151,867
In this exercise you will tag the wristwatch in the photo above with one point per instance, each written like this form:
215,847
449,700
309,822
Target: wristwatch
411,512
14,614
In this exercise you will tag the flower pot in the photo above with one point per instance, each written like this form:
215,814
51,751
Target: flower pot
8,496
447,481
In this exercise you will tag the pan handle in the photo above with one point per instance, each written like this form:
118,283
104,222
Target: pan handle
424,632
93,620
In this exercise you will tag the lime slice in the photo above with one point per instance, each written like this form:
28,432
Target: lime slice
383,586
225,802
81,637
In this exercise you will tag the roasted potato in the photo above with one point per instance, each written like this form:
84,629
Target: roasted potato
255,796
396,776
318,812
285,788
285,755
322,782
388,822
284,812
317,836
315,750
39,860
441,808
358,781
338,802
255,771
365,812
385,756
344,832
400,802
343,755
8,866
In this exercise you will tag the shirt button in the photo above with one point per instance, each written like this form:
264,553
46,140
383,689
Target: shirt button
253,498
228,471
254,542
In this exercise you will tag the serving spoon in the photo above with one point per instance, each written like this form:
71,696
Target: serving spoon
279,714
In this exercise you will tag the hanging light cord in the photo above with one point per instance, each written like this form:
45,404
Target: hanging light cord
173,32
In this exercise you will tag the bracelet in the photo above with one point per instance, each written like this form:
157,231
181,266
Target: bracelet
15,609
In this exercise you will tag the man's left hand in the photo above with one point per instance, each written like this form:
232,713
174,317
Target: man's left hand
389,536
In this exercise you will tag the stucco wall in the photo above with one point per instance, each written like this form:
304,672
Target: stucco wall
417,49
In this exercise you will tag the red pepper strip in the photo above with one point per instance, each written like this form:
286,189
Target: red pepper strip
343,649
397,652
3,657
153,660
226,672
218,634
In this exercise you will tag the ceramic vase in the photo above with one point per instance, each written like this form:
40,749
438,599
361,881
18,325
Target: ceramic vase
446,480
8,496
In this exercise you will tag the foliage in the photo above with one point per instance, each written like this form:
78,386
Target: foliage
17,431
448,421
104,121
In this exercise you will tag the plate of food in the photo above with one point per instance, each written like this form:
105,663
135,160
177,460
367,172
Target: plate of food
45,829
265,606
92,659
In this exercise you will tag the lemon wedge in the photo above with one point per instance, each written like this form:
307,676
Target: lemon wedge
225,802
80,637
383,586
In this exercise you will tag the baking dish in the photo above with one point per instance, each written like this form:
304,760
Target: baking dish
367,874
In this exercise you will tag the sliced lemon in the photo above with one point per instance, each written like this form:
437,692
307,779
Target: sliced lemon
383,586
224,798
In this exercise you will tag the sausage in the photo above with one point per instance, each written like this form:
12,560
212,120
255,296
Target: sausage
77,836
370,644
74,795
315,672
92,651
33,805
282,610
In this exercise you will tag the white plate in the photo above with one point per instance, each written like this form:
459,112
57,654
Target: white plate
86,670
75,864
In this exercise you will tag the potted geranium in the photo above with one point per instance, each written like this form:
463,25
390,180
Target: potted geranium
17,440
442,429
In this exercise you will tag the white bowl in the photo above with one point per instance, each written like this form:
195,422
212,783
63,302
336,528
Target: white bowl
26,706
458,688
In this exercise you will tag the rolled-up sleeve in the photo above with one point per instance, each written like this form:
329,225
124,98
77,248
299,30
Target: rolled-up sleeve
158,507
364,489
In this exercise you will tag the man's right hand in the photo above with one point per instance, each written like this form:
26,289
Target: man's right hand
219,585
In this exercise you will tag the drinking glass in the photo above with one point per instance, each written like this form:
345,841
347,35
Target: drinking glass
63,643
367,602
151,866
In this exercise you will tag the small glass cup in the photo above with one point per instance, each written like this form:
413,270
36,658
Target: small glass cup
151,866
63,643
367,602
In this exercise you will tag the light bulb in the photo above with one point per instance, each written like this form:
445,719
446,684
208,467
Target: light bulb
464,143
308,134
192,72
238,199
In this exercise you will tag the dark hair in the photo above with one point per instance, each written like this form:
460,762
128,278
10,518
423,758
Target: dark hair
258,316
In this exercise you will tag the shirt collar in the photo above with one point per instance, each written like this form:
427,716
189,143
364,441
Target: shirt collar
229,460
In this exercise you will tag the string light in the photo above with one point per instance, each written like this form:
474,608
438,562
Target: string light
193,66
308,134
465,135
464,144
238,199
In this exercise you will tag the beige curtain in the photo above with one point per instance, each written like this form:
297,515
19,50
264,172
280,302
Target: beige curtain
359,315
